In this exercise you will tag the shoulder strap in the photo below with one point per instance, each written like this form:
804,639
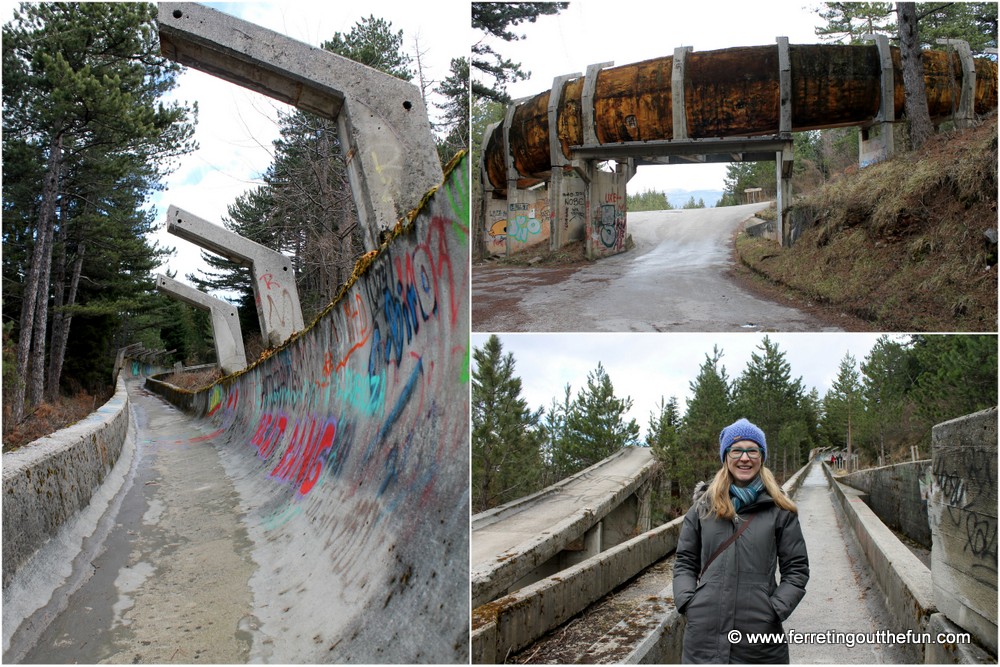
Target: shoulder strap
724,545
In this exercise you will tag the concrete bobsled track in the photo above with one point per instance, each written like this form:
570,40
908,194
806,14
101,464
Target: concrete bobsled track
329,481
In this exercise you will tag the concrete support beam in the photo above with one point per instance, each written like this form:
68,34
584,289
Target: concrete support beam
274,288
383,125
225,322
557,211
966,113
587,101
882,147
677,93
962,511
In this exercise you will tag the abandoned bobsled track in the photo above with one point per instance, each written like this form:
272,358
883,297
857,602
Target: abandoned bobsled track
312,508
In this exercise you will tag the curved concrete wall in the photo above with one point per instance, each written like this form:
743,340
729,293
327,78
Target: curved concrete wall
349,449
48,481
898,495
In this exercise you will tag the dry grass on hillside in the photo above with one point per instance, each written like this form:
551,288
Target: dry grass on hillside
908,244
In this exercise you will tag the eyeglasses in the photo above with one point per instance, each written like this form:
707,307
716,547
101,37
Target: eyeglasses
737,454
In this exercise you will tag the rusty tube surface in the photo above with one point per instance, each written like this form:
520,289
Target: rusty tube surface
727,93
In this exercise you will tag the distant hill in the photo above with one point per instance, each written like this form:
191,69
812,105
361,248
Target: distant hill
678,198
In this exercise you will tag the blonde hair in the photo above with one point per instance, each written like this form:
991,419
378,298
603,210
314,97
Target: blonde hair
717,494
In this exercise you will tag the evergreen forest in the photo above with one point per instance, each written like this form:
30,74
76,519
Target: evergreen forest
878,410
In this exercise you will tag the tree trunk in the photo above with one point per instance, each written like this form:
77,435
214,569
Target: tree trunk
60,336
58,299
50,190
36,386
921,128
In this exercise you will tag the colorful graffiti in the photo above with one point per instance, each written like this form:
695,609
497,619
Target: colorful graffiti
362,393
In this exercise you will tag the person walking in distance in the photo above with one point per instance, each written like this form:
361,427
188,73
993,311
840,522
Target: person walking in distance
739,532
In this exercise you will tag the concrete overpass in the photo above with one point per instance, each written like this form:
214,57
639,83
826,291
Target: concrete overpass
617,606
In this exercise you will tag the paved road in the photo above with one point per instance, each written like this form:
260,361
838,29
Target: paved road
675,279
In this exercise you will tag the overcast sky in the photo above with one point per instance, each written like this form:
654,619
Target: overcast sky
648,366
630,31
236,126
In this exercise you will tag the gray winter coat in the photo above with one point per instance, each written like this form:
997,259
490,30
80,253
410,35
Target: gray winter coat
738,592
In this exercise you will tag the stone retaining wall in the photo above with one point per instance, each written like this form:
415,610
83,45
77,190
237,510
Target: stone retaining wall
48,481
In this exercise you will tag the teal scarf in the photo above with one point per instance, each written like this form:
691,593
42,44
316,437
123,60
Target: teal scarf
743,496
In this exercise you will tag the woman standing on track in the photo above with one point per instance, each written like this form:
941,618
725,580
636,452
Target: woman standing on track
739,531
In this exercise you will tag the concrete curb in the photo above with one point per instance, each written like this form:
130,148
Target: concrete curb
50,480
903,579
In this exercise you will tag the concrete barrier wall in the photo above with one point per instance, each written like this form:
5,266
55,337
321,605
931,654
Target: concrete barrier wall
903,579
608,214
491,579
898,496
963,518
516,620
50,480
349,449
526,223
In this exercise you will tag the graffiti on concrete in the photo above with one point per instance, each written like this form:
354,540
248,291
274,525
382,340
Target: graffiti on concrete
966,482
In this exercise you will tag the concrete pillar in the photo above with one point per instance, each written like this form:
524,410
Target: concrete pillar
785,161
875,148
677,93
225,322
563,179
274,288
486,221
962,511
514,196
620,524
965,115
383,126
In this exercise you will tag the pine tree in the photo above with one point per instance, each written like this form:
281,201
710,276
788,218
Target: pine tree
506,443
455,90
596,426
848,22
883,386
766,394
709,410
662,439
82,93
843,403
494,19
372,42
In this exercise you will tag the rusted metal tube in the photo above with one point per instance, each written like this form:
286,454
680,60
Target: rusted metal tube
728,93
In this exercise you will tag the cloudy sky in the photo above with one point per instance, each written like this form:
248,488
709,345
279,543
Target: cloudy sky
650,366
630,31
236,126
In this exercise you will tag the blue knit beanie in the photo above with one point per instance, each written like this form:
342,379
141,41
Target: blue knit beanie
740,430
